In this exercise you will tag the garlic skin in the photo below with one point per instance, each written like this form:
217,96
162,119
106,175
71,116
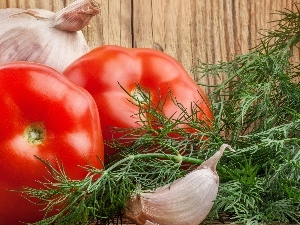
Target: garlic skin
67,20
42,36
186,201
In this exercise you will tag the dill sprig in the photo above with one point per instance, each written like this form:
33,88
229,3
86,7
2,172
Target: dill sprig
257,108
103,193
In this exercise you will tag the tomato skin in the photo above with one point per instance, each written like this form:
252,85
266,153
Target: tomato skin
100,71
34,96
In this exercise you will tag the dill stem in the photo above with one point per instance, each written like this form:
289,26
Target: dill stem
174,158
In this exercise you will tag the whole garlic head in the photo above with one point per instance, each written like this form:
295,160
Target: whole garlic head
186,201
42,36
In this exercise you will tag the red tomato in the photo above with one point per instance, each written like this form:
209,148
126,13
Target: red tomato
43,114
100,71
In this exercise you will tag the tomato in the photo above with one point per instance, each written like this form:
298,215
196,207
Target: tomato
102,70
46,115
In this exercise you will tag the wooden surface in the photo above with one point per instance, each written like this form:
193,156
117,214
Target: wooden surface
189,30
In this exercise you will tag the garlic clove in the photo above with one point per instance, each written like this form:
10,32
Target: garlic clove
186,201
34,35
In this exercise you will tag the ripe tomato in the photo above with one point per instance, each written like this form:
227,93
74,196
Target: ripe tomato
43,114
102,70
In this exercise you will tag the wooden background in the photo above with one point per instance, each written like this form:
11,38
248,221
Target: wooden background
189,30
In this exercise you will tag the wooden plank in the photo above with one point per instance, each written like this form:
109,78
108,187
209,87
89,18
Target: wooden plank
142,24
157,25
112,26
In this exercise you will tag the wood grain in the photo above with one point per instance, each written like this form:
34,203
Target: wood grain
189,30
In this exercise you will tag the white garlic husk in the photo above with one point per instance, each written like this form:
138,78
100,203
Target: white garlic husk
186,201
42,36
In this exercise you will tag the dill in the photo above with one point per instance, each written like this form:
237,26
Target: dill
257,108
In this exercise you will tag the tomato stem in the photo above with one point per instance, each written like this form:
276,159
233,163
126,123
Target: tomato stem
139,96
35,134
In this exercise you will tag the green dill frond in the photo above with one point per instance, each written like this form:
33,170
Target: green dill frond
257,109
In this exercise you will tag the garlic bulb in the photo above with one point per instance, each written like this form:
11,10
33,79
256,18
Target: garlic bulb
42,36
186,201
